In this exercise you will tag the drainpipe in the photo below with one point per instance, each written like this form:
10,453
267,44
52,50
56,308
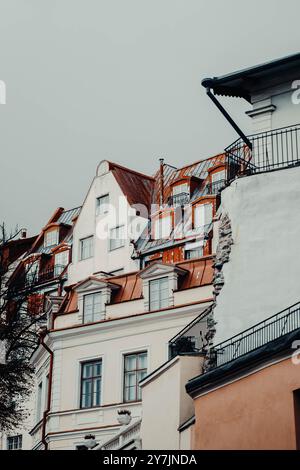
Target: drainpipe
46,412
229,118
161,181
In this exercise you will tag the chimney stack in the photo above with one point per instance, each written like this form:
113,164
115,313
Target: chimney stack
24,233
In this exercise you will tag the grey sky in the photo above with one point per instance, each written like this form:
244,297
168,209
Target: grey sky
119,79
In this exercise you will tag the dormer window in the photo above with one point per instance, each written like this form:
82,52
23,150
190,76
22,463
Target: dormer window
61,261
181,194
218,176
162,227
51,238
93,296
93,307
32,271
102,203
203,214
159,283
180,188
159,293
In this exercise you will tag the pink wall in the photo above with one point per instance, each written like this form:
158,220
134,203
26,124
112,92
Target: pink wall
255,412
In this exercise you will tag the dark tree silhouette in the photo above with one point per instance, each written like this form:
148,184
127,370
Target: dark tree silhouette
19,335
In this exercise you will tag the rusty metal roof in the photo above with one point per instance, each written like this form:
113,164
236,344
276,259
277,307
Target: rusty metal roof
199,273
136,187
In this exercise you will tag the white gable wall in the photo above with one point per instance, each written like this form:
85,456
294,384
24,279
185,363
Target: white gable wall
103,259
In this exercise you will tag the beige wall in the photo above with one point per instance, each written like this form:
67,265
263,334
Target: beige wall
109,341
166,405
254,412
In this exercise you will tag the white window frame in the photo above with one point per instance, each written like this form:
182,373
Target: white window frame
81,366
102,203
218,176
81,248
16,442
138,390
62,254
162,302
162,227
183,188
116,242
32,271
100,314
51,237
205,217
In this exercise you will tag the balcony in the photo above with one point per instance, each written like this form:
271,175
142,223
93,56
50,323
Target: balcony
31,280
192,338
213,188
272,150
179,199
268,330
128,438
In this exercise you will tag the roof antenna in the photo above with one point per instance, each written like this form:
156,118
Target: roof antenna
161,171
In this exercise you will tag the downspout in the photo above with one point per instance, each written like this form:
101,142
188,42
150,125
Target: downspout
46,412
229,118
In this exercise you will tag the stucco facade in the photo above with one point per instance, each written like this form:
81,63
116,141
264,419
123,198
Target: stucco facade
255,412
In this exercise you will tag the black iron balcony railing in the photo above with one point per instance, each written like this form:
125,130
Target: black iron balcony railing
191,338
213,188
179,199
31,280
268,330
271,150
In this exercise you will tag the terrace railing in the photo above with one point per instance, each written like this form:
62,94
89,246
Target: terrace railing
180,199
271,150
268,330
30,280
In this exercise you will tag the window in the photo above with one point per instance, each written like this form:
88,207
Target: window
32,271
159,293
203,215
93,307
86,248
180,188
195,253
162,227
39,401
117,237
61,261
51,238
14,442
218,176
135,369
102,203
91,378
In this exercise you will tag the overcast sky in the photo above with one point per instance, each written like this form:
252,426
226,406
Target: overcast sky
119,79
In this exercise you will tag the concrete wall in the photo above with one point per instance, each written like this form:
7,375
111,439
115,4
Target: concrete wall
166,405
262,275
252,413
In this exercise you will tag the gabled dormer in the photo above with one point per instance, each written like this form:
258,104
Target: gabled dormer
182,189
93,296
159,283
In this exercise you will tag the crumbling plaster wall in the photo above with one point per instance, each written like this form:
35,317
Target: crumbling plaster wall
260,216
